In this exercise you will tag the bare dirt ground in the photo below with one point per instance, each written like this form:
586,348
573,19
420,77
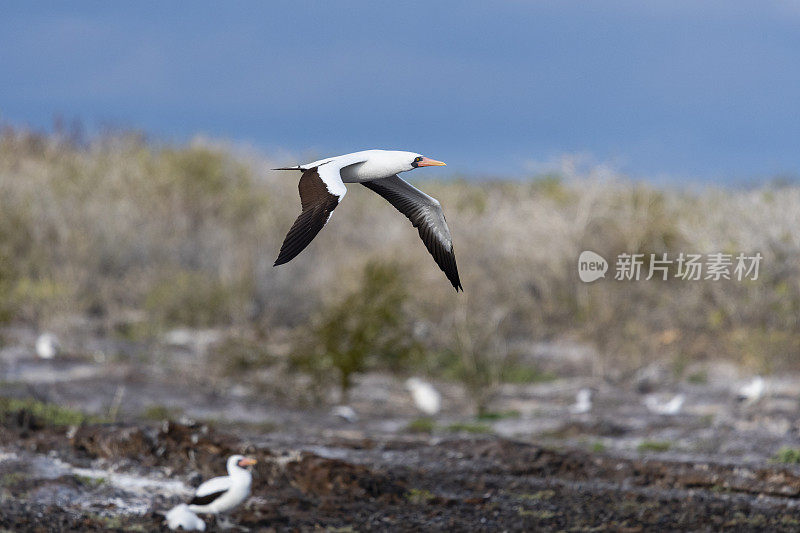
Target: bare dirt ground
535,466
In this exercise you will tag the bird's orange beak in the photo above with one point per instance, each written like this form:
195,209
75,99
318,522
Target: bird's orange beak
426,162
247,461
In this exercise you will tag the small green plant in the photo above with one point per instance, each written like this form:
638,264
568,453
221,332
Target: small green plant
469,427
787,455
45,413
365,329
698,378
419,496
653,446
597,447
11,479
90,482
159,412
421,425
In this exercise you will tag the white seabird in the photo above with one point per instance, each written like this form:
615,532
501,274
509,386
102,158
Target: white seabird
752,391
583,402
426,398
180,517
345,412
221,494
322,188
47,346
672,407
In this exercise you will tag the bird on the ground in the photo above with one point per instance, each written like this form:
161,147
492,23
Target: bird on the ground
345,412
180,517
322,188
426,398
221,494
752,391
672,407
583,402
47,346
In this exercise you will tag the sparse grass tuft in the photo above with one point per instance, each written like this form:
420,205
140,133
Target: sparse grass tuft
597,447
469,427
653,446
421,425
160,412
787,455
45,413
491,416
419,496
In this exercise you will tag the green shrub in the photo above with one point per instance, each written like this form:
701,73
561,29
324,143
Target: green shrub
367,328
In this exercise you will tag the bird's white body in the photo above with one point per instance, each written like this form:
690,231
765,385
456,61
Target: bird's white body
367,165
583,402
47,346
672,407
181,517
752,391
426,398
233,488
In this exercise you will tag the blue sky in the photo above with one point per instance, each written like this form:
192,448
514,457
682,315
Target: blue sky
678,90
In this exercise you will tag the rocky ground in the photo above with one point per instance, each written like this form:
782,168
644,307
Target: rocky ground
532,465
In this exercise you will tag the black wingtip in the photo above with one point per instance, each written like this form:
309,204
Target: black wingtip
287,168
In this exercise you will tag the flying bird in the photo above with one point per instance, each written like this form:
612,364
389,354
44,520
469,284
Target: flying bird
671,407
425,396
47,346
345,412
322,188
221,494
752,391
583,402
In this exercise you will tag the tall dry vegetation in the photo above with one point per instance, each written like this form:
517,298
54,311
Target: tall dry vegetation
188,234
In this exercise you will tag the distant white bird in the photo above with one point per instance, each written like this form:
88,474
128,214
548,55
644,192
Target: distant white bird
180,517
322,188
47,346
583,402
221,494
753,391
426,398
345,412
672,407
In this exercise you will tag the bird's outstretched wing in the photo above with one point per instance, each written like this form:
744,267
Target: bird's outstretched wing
321,190
425,213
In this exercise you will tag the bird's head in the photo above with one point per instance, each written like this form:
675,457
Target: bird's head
396,161
422,161
240,461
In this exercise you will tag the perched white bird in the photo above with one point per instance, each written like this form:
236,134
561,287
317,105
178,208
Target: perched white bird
345,412
221,494
47,346
752,392
180,517
322,188
672,407
583,402
426,398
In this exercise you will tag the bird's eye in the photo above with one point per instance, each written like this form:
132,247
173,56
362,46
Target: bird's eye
418,159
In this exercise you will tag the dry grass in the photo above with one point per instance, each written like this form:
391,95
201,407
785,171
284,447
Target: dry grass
188,234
